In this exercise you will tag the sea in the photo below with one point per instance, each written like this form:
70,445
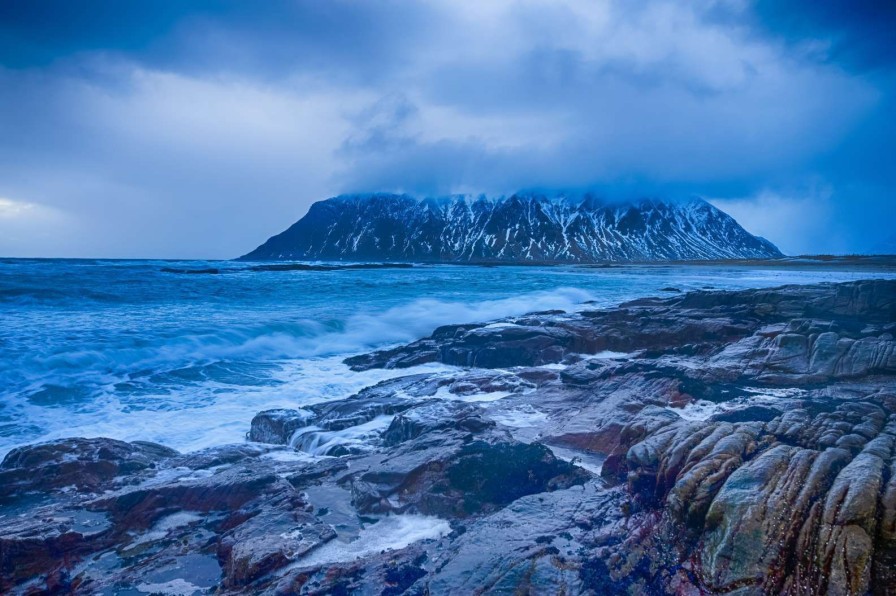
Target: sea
185,353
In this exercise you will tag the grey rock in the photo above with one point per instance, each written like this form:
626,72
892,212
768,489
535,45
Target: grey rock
741,443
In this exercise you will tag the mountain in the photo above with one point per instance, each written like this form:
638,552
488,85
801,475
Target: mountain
518,228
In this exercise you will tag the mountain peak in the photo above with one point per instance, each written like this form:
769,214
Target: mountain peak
522,227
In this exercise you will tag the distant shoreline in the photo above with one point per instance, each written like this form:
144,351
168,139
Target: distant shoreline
883,262
835,261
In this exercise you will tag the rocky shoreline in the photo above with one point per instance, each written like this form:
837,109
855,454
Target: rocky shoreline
710,442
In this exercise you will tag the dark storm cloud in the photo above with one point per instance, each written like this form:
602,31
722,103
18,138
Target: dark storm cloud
857,36
170,128
858,33
37,33
264,39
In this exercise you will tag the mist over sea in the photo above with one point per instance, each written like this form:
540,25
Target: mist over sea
128,350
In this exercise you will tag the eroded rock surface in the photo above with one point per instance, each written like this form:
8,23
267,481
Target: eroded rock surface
704,443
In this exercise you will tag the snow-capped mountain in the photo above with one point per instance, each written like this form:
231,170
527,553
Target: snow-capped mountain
518,228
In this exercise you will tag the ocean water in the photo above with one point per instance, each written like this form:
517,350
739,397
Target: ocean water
133,350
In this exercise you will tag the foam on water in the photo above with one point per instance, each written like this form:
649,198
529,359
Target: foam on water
126,350
174,587
698,410
165,525
389,533
524,416
774,393
481,397
216,414
760,396
592,462
608,355
316,441
289,455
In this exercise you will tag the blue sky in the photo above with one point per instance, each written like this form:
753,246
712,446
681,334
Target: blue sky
198,129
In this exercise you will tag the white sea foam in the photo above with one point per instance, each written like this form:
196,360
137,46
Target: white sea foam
389,533
215,413
288,455
554,366
316,441
484,397
195,390
703,410
129,353
175,587
609,355
698,410
588,461
775,393
420,317
165,525
524,416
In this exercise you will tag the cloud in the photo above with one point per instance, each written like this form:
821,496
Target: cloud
858,33
343,40
22,222
167,161
799,223
816,219
200,129
10,209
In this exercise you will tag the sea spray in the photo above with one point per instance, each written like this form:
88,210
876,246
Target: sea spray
126,350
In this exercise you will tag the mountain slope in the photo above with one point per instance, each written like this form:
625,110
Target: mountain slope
519,228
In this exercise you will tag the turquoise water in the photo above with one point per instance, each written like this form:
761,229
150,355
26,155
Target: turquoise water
128,350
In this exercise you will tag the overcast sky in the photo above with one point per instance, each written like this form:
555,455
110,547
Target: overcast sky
197,129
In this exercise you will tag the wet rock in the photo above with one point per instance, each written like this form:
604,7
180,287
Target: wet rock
86,464
272,540
483,474
712,442
228,490
755,524
397,358
519,550
318,429
435,417
459,478
653,324
32,546
472,384
217,457
277,426
849,518
389,573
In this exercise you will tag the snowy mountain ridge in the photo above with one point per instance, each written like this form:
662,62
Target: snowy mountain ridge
524,227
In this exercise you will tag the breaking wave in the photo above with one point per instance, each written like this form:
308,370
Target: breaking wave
125,350
129,384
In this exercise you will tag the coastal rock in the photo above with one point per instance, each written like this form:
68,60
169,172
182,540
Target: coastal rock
277,426
85,464
31,547
713,442
278,536
465,418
